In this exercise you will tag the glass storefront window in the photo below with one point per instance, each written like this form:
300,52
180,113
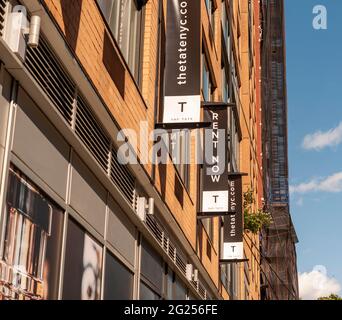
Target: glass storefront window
146,293
169,285
83,265
179,290
118,280
30,260
175,288
151,266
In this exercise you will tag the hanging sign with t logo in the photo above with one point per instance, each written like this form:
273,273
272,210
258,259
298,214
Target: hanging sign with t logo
214,177
182,102
233,224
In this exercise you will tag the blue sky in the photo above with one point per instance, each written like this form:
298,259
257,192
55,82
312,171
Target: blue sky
314,80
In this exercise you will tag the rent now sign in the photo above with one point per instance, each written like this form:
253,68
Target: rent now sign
214,177
182,100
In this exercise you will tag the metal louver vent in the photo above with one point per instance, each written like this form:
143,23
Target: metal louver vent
91,133
3,5
49,73
51,76
122,178
202,291
180,264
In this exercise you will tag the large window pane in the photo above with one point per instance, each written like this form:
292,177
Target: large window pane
207,86
226,29
208,226
151,266
82,270
205,79
30,261
147,293
179,290
169,285
118,280
235,279
226,83
211,12
175,289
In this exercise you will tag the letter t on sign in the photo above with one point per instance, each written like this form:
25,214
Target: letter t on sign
182,105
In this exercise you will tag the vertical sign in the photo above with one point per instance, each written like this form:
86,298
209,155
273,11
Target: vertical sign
214,186
233,224
182,100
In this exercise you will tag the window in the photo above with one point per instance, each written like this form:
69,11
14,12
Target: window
226,277
83,265
250,37
229,93
224,268
230,279
158,280
235,279
146,293
246,281
234,144
180,145
125,19
118,280
226,83
211,12
152,270
229,274
207,87
169,284
175,289
208,227
179,290
226,27
32,242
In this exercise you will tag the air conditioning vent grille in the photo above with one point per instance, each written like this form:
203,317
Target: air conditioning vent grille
51,76
91,134
48,72
117,172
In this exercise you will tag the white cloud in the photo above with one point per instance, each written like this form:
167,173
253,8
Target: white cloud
332,183
319,140
317,283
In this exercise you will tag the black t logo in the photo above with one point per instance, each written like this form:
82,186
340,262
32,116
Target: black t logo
215,197
182,105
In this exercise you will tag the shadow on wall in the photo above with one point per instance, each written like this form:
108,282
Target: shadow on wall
71,11
113,64
162,171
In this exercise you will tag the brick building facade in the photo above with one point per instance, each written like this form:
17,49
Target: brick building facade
99,69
